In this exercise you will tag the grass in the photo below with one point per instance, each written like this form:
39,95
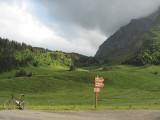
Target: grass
56,88
91,108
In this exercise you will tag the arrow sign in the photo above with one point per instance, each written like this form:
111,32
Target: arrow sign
99,85
99,80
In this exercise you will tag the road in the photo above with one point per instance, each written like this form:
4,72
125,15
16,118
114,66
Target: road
89,115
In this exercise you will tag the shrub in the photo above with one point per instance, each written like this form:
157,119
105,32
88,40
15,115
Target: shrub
21,73
30,74
72,68
155,72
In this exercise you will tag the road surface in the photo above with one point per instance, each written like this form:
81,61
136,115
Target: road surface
89,115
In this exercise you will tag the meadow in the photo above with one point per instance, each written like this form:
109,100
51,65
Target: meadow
57,88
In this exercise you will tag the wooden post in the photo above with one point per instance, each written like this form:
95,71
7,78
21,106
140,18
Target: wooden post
96,99
98,82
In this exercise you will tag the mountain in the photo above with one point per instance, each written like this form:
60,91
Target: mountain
130,40
14,55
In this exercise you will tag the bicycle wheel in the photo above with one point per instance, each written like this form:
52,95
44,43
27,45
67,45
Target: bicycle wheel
23,105
8,104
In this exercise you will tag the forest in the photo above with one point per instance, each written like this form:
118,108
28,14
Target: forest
15,55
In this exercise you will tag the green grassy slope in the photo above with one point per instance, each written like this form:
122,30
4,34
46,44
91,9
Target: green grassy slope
50,88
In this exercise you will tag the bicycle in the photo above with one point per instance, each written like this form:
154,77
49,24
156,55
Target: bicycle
15,102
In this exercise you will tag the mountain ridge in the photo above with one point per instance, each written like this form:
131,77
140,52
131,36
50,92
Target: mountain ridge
125,42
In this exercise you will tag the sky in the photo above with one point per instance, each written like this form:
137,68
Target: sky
79,26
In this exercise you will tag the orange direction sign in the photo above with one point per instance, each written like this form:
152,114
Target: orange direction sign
99,85
99,79
97,89
99,82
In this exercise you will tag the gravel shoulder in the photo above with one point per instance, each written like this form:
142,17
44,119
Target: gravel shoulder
85,115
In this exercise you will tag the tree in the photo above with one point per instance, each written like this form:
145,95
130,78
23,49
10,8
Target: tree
72,67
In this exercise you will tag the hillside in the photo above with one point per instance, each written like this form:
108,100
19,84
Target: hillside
150,52
14,55
48,84
56,88
51,86
130,40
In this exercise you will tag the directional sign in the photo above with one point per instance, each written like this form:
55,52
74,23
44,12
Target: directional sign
99,85
99,80
97,89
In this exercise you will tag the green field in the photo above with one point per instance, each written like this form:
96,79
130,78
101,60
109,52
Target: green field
57,88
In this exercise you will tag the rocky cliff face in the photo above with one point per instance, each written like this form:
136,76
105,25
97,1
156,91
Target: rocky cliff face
126,42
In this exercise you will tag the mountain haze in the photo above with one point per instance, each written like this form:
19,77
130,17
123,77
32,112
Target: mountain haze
129,40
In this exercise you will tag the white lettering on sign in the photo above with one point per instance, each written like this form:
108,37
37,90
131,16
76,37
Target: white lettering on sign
99,79
99,85
97,89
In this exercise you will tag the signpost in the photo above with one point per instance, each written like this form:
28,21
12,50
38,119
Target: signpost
98,83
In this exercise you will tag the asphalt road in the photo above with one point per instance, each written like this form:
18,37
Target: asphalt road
89,115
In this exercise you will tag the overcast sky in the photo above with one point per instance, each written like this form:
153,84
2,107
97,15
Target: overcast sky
69,25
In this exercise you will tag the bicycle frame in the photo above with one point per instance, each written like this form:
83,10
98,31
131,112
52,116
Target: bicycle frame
15,101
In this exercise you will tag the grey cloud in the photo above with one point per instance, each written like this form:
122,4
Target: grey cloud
85,22
105,15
